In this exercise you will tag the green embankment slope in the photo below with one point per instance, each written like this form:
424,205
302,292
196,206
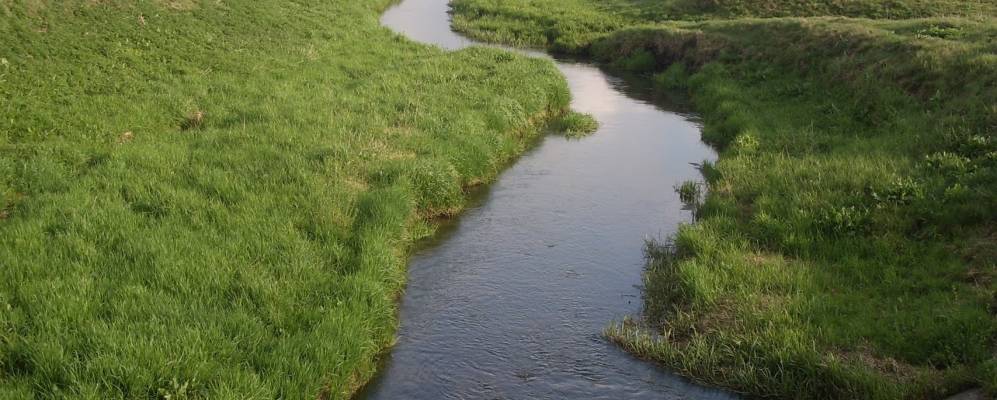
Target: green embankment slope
207,199
846,246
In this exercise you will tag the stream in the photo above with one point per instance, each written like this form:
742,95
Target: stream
509,301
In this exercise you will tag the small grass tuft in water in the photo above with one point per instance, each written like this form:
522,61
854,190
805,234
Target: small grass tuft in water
575,124
690,192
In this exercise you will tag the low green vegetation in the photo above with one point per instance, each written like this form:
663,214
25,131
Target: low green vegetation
690,192
213,200
572,25
575,124
846,245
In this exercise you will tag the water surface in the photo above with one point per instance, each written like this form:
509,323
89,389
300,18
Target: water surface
510,300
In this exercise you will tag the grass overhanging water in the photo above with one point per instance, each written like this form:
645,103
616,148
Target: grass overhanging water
214,199
845,247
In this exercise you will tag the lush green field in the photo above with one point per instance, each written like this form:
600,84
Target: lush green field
572,25
846,245
213,200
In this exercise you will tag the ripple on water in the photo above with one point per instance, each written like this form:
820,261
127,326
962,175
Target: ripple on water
511,301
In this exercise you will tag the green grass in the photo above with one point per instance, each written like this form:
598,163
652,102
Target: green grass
575,124
662,10
214,200
845,247
572,25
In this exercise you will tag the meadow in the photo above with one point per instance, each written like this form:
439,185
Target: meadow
844,245
215,200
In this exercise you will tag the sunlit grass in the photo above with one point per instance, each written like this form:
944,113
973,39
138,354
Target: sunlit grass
207,199
844,247
575,124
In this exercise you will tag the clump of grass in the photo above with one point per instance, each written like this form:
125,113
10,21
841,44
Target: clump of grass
193,121
575,124
126,137
689,192
691,195
940,31
676,76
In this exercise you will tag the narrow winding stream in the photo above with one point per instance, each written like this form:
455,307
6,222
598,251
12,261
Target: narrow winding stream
510,300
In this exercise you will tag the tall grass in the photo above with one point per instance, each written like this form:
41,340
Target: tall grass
845,247
207,199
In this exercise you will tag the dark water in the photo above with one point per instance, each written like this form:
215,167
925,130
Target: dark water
510,300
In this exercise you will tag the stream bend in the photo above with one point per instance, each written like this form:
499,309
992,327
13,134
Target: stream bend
511,298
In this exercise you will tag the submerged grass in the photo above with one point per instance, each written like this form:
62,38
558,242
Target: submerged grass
209,199
846,244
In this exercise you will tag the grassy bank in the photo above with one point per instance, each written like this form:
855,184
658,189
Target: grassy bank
573,25
214,199
846,244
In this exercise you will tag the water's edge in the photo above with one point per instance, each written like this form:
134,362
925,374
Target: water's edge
509,299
